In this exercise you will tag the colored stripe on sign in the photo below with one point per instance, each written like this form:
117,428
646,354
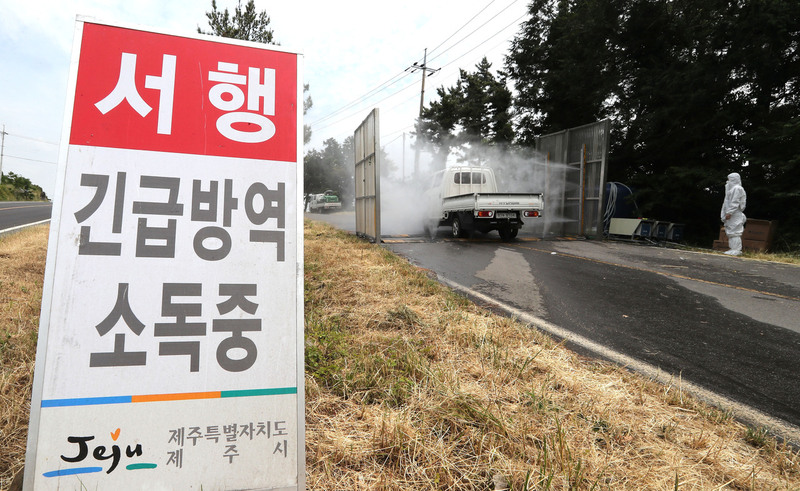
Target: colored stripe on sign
259,392
177,397
86,401
93,401
72,472
136,467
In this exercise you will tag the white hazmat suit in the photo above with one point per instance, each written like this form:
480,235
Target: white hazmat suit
732,213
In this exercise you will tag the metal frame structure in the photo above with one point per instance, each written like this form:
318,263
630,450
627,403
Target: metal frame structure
583,153
368,177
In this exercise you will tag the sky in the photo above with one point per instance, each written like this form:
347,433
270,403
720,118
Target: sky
356,57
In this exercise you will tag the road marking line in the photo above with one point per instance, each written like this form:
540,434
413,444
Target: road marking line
23,226
742,412
24,206
662,273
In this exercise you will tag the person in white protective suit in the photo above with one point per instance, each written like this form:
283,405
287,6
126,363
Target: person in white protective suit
732,213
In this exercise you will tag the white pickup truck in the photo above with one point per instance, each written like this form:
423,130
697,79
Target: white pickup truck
466,199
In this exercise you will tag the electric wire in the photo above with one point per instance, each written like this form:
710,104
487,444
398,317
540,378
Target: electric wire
31,138
348,116
486,40
391,141
395,78
358,99
479,27
412,84
28,159
470,51
462,27
399,131
461,56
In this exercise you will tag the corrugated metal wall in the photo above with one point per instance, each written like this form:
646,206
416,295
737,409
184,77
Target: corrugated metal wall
367,177
577,161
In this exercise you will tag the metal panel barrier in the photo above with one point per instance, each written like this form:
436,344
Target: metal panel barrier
577,160
367,177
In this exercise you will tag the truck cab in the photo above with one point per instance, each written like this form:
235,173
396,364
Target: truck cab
467,199
456,181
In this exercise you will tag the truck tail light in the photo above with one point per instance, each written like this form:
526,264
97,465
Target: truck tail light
531,214
484,214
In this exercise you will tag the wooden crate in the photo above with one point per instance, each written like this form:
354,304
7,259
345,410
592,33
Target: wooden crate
758,236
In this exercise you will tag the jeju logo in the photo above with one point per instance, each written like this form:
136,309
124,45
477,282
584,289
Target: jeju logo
85,452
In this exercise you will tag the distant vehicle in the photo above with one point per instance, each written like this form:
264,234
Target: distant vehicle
326,201
466,200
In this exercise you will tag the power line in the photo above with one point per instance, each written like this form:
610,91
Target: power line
400,75
396,132
3,155
355,106
479,27
486,40
32,139
30,160
393,140
455,60
462,27
359,99
412,84
478,45
464,54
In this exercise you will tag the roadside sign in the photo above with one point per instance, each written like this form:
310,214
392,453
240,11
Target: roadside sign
170,348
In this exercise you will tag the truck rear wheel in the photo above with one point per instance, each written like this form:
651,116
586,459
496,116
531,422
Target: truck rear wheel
458,230
508,234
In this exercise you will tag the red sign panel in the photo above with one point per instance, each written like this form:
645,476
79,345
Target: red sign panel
146,91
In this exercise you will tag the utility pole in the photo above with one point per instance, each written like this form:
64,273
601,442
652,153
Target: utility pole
404,156
2,147
425,70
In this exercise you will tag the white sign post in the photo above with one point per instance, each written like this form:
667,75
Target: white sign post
171,340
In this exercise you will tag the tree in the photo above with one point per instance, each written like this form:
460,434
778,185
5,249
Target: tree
307,104
16,187
249,26
673,120
765,56
695,89
562,65
329,168
469,116
245,24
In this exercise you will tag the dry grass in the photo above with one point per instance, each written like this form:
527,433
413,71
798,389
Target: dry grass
778,257
409,386
22,258
792,257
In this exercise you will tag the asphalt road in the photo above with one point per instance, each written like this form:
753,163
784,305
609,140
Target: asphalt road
17,213
727,326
